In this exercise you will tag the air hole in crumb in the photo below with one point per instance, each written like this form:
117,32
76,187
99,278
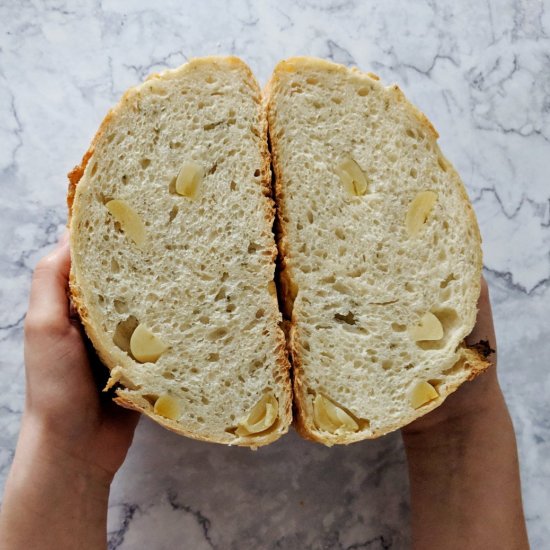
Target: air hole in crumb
168,375
312,80
356,272
124,331
309,216
173,214
94,169
413,172
217,333
120,306
386,364
410,133
397,327
409,287
336,100
115,266
253,247
449,279
233,186
213,357
260,313
348,318
145,162
364,91
220,295
256,173
230,308
204,319
342,288
435,382
151,398
339,232
442,164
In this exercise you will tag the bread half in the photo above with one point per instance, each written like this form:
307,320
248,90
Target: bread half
173,255
380,253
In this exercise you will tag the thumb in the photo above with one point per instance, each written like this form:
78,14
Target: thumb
48,301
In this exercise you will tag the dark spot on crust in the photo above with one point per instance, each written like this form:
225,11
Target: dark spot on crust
483,348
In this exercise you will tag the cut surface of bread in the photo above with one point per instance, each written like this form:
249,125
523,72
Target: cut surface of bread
173,255
380,253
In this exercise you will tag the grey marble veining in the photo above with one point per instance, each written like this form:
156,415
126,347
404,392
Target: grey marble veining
480,71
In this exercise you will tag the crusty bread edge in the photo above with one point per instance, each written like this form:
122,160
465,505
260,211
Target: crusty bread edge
139,404
474,362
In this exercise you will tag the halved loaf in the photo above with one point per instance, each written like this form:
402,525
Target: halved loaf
380,252
173,255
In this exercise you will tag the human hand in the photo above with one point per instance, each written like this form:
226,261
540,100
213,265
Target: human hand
472,398
63,403
73,439
463,464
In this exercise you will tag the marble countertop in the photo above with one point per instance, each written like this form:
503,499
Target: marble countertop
480,71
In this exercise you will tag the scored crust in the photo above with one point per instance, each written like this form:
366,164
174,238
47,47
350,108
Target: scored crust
135,402
471,359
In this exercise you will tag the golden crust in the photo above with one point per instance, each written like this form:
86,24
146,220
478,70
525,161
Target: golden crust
77,299
473,362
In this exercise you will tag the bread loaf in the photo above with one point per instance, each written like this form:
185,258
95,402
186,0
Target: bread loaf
380,253
173,255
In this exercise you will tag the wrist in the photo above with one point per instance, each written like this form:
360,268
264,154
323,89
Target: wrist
41,452
52,499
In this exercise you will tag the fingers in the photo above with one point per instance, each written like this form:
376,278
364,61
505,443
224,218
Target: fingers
48,303
484,330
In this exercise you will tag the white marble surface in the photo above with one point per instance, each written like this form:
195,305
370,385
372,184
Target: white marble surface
480,70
